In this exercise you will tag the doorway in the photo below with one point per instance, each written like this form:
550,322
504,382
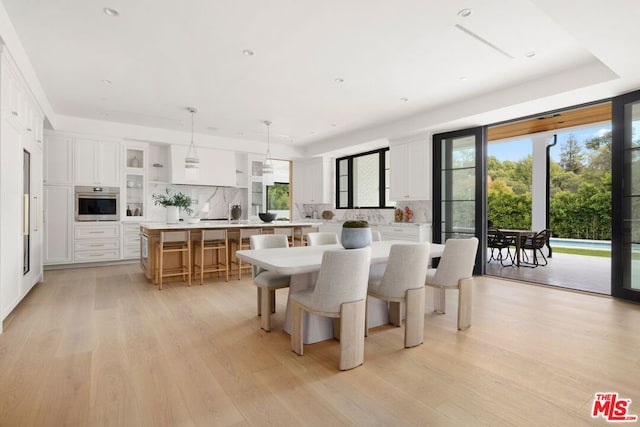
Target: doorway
557,178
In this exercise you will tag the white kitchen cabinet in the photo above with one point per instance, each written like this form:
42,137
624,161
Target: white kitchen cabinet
20,189
58,159
96,242
133,195
311,181
131,240
410,171
410,232
58,224
97,162
217,167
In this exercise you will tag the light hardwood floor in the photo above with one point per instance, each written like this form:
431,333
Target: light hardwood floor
101,346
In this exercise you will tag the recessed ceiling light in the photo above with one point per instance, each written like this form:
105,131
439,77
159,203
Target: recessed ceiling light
403,99
463,13
107,82
333,125
111,12
212,128
463,78
338,80
530,54
248,52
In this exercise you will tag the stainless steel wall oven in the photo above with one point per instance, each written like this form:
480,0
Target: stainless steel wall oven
97,204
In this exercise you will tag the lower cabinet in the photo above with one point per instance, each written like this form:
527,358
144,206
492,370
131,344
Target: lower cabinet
409,232
58,224
131,240
95,243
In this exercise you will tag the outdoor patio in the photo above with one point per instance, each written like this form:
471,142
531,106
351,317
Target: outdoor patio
584,273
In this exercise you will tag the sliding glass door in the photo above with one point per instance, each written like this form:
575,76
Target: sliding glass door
625,243
459,188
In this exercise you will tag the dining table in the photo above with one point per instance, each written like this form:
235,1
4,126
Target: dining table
303,264
518,235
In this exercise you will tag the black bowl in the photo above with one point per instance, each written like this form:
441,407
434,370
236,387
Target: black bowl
267,216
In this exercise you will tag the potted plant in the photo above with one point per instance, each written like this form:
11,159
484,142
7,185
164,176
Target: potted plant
173,203
355,234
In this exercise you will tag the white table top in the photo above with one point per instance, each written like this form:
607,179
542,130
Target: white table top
306,259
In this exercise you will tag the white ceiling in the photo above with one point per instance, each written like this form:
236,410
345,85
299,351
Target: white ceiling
163,56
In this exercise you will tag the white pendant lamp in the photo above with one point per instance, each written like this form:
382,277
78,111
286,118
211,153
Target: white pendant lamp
191,161
267,166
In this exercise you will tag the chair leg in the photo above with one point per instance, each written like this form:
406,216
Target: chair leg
464,303
395,313
439,300
297,327
265,309
414,323
259,299
352,334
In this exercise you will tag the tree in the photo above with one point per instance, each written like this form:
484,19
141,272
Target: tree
571,157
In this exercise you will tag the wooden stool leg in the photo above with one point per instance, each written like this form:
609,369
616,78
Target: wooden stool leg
161,267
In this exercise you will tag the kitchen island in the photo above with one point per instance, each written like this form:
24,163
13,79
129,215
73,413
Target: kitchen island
150,236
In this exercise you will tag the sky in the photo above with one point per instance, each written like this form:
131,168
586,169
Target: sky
517,149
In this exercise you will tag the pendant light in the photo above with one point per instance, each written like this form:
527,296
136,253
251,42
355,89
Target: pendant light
267,166
192,162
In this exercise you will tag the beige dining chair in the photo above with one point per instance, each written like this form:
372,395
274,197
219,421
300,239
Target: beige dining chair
268,281
403,283
286,231
455,271
340,292
322,238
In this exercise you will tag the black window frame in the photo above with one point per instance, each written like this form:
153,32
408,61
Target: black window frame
382,152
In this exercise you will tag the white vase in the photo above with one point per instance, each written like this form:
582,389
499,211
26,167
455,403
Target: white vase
173,214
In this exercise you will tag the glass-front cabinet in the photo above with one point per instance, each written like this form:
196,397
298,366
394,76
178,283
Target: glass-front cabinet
132,200
257,199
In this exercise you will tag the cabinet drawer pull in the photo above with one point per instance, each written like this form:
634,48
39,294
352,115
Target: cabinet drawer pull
15,113
96,232
96,255
97,246
28,129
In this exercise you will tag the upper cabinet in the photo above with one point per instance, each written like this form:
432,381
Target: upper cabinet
311,181
410,171
217,167
135,180
97,163
58,160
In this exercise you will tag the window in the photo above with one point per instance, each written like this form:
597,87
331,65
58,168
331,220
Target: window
278,196
362,180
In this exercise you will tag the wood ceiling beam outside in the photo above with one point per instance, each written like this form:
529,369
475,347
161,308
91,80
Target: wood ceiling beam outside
559,120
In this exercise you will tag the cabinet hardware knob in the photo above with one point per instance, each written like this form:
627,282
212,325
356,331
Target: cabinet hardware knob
15,113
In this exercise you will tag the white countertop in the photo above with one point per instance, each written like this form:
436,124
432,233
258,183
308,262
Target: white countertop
160,225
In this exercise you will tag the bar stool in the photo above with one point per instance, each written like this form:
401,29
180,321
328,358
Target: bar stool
303,232
287,231
216,242
242,242
174,242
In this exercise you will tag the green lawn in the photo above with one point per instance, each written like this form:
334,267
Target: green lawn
586,252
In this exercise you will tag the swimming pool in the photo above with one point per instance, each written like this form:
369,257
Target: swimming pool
579,243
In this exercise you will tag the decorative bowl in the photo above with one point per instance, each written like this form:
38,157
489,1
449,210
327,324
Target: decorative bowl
267,216
192,220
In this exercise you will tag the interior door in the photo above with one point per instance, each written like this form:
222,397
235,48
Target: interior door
625,195
459,188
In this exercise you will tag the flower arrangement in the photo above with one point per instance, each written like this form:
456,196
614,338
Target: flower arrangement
178,199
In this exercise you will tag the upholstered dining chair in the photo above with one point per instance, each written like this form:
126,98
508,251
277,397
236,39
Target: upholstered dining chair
340,292
403,283
455,271
322,238
268,281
